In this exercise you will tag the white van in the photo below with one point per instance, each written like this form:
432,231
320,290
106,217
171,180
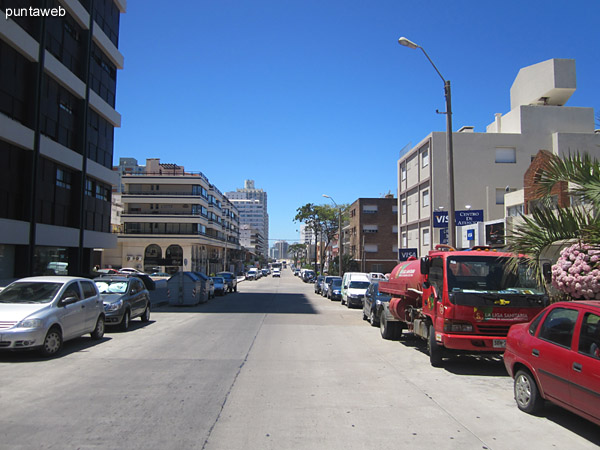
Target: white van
354,287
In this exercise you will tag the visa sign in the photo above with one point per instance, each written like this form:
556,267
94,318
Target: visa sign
466,217
440,219
405,253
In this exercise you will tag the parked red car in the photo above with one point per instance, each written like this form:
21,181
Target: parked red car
556,357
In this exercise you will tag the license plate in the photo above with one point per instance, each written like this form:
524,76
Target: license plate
499,343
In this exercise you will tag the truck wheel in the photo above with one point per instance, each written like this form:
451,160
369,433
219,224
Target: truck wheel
386,329
398,327
435,351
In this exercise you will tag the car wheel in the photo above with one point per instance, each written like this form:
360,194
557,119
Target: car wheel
527,394
124,325
98,332
53,342
436,352
373,319
365,317
146,316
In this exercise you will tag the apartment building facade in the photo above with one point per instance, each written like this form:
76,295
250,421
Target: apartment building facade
373,234
57,120
252,204
490,165
176,220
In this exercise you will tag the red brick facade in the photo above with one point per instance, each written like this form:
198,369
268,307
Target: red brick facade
373,241
529,183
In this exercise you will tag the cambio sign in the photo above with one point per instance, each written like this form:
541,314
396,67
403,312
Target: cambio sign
462,218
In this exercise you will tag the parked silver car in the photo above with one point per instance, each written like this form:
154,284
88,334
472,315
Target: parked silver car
43,312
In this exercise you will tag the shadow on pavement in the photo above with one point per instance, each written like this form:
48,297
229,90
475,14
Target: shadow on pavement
490,365
80,344
249,303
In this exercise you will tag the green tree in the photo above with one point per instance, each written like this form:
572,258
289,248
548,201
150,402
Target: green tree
322,220
296,251
547,225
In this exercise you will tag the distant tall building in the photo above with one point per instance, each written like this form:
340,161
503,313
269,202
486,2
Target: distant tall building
306,235
281,249
57,120
252,205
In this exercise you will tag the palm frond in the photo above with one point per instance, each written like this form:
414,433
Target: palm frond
580,170
545,227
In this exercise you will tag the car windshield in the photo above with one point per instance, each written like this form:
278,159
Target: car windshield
30,292
218,279
336,283
359,285
112,287
489,274
226,275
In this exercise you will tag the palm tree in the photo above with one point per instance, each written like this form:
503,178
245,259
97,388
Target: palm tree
547,225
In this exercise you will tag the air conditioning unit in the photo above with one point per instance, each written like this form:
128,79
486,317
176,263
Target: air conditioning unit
138,258
129,257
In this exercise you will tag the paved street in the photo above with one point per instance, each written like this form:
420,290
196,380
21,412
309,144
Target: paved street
273,366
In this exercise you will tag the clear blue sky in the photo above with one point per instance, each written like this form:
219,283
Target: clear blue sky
309,97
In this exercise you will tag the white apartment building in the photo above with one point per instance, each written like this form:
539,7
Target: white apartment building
252,205
175,220
488,165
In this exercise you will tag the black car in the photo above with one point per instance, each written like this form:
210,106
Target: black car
124,298
373,303
326,285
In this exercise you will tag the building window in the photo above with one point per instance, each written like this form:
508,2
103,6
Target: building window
371,248
63,178
426,198
404,240
403,206
395,249
403,173
514,211
394,209
369,209
89,188
506,155
425,158
395,229
426,236
370,228
500,196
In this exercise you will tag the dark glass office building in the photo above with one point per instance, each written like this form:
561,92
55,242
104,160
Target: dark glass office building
58,75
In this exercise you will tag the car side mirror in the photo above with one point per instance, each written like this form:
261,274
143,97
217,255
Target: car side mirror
425,265
68,301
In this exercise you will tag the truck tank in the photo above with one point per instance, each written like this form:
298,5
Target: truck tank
405,287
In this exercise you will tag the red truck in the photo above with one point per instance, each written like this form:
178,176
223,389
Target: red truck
463,301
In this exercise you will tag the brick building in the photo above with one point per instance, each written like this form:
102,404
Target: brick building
373,234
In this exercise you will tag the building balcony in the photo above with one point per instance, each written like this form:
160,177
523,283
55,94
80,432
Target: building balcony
146,194
161,213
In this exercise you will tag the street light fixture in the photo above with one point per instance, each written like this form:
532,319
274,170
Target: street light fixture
340,247
449,149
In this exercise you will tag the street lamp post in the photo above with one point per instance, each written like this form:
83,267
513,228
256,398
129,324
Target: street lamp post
449,149
339,232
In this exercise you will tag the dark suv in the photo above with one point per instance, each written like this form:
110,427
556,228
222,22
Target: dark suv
230,280
124,298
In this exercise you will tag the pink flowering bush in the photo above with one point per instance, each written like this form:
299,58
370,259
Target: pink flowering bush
577,272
